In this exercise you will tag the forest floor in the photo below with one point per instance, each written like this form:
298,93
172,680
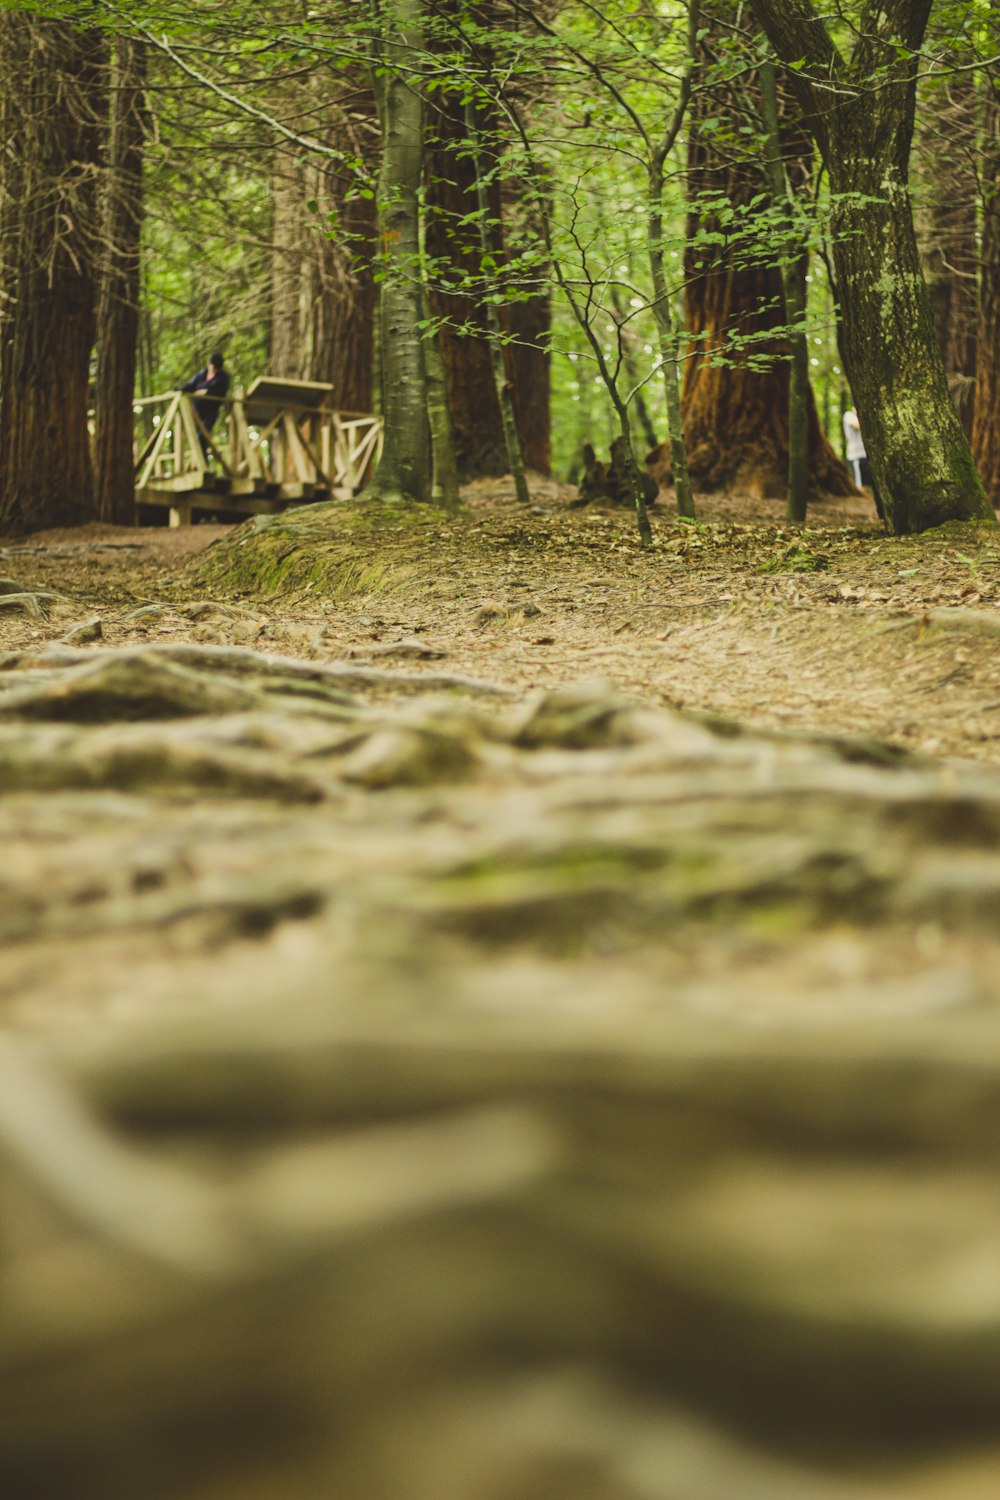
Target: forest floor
487,1010
833,626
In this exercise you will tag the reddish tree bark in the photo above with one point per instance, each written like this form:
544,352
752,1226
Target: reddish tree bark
51,109
736,417
342,305
454,252
118,318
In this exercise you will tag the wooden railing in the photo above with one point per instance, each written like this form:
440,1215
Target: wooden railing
259,450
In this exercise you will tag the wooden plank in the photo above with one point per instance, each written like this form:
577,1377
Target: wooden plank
151,452
306,465
189,427
180,484
269,394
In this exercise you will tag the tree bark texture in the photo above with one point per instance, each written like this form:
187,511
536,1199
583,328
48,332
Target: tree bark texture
404,471
501,374
527,362
51,112
323,248
793,291
444,487
118,316
341,334
986,416
736,417
287,343
455,253
946,163
919,456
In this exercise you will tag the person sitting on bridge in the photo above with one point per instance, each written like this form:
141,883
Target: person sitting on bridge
212,381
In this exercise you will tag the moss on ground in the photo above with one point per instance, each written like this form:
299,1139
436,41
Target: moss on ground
331,549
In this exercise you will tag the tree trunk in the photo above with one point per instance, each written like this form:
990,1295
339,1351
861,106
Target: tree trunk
286,345
663,314
404,470
454,251
444,484
794,306
918,453
527,363
118,319
341,239
735,415
489,257
51,80
986,418
947,227
341,331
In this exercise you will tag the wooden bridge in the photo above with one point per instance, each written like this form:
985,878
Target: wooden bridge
280,443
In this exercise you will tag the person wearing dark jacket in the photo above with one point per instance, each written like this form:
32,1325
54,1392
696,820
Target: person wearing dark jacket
212,381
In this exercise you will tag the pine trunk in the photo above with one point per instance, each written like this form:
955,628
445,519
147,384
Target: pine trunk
118,319
51,81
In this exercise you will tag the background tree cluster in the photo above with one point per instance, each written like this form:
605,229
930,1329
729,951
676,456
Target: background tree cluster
516,227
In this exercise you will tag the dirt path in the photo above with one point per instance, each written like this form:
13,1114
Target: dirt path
716,617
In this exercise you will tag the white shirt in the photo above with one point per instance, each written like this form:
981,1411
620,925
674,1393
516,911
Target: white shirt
852,432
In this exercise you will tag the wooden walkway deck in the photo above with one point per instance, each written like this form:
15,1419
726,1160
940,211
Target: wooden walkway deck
280,443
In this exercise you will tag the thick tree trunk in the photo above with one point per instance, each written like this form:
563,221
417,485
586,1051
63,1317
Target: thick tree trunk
454,252
488,249
51,103
986,418
341,247
918,453
341,332
736,416
947,227
118,319
404,471
862,117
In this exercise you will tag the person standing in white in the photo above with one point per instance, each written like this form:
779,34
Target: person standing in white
856,455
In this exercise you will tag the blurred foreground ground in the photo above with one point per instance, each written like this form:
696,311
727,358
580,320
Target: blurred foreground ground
425,1077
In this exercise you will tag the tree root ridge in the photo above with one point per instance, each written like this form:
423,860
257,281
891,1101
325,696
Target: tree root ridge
524,1091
